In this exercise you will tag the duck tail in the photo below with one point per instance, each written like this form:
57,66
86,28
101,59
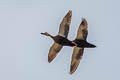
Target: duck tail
89,45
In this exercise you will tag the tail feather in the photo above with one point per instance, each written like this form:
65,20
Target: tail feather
89,45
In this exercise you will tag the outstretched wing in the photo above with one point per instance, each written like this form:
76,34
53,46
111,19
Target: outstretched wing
78,52
54,49
82,31
64,26
76,57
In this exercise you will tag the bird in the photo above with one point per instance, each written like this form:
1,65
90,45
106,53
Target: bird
81,43
60,39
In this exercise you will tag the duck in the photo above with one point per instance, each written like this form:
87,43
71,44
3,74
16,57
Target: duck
81,43
60,39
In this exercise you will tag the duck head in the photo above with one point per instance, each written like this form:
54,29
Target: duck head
46,34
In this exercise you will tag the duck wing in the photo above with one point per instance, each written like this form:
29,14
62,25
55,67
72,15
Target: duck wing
64,26
82,30
78,52
54,50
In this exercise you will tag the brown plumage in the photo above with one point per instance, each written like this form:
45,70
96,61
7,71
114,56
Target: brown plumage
61,38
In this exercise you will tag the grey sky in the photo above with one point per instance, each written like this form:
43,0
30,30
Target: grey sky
24,52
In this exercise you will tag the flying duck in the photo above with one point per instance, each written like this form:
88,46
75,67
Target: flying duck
82,43
60,39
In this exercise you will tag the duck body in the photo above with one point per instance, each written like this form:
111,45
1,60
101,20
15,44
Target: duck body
83,44
63,41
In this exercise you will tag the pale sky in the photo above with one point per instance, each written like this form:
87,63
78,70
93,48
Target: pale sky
24,52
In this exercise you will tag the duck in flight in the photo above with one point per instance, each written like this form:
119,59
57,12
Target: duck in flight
61,38
79,43
82,43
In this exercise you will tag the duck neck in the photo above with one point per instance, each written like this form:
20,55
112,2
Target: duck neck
50,36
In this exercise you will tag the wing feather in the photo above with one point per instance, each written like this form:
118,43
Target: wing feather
64,26
54,50
82,31
76,57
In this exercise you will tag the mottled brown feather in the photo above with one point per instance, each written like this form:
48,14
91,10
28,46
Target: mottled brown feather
64,26
76,57
54,49
82,30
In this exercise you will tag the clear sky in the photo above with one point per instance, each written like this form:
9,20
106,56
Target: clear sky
24,52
